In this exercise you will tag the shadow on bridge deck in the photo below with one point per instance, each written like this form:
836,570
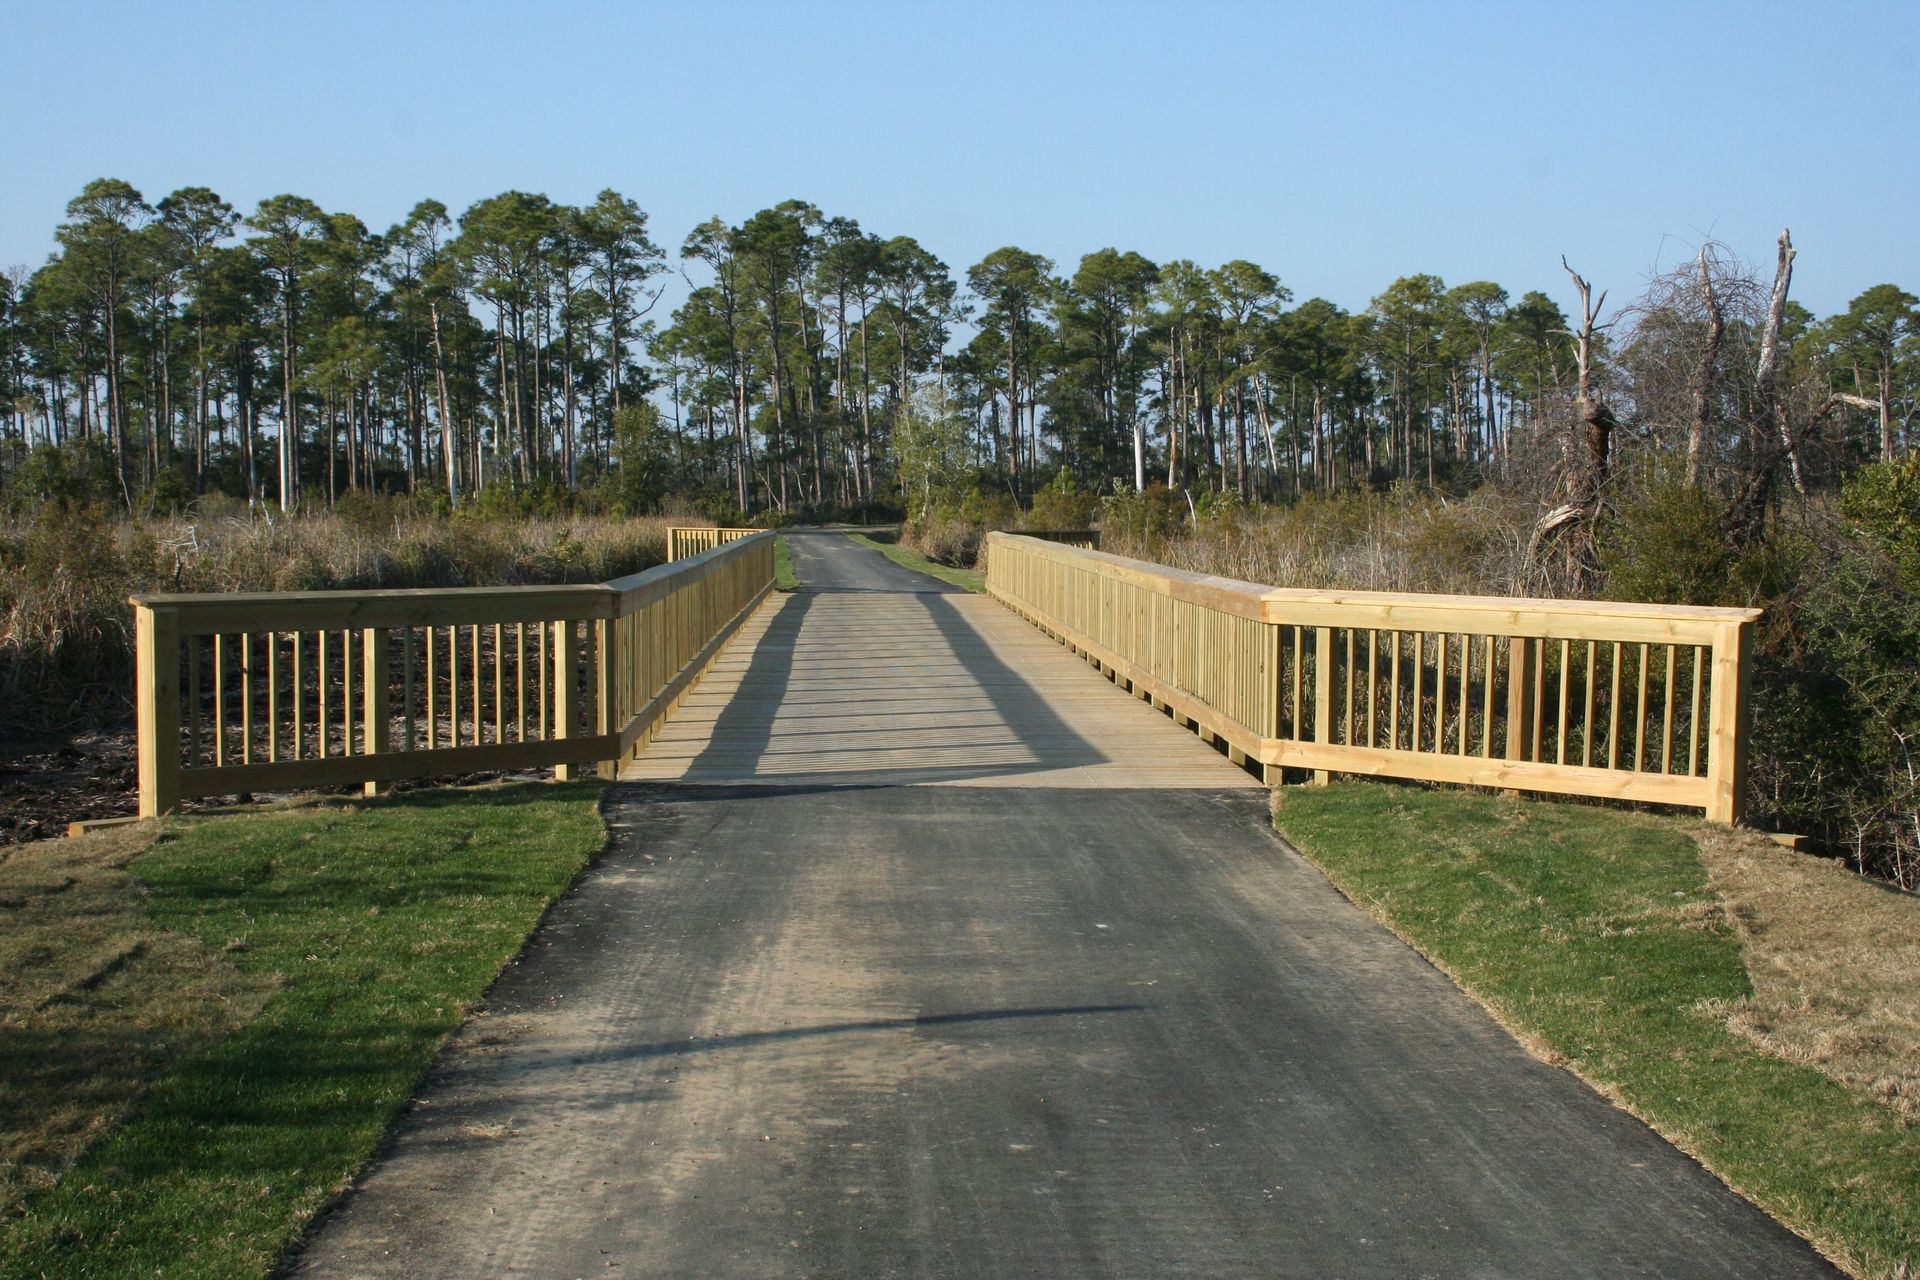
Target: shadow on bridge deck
872,675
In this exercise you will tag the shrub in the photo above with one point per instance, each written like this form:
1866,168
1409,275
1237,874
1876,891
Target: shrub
1061,505
1664,546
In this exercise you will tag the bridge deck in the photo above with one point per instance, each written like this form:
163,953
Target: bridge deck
1069,1019
878,676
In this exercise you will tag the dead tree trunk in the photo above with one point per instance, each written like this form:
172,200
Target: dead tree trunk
1587,460
1772,430
1703,379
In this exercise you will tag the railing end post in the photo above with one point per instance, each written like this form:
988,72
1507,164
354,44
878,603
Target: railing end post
1730,723
1521,656
157,707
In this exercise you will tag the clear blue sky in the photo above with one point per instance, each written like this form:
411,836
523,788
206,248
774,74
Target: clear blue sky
1338,145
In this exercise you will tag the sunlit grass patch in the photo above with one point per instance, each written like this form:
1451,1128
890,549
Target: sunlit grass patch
1597,936
377,926
908,558
783,575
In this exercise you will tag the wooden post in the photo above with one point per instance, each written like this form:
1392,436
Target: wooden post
563,691
1322,694
376,736
1520,709
157,708
606,633
1727,720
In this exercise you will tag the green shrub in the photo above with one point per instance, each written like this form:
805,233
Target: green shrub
1664,546
1061,505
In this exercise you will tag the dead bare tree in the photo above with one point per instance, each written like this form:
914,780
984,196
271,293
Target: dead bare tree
1697,432
1568,528
1770,422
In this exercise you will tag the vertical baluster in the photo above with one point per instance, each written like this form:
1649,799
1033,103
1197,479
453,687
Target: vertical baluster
1613,711
1440,696
499,684
1488,667
1298,665
1373,687
1560,725
1666,732
193,702
322,704
1539,703
299,689
1465,689
1640,716
219,702
273,696
346,692
1348,735
1393,697
376,679
454,687
546,680
406,696
433,687
1586,723
1419,679
1693,718
246,697
479,712
520,681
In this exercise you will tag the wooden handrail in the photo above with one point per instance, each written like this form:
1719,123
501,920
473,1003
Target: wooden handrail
1627,701
253,691
690,541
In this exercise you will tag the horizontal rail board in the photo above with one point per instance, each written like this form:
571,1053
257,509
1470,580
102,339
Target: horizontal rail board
1406,611
206,615
340,771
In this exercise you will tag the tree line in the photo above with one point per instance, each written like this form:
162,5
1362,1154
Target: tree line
290,355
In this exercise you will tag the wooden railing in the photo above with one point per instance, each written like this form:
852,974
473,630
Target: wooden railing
1630,702
239,693
684,542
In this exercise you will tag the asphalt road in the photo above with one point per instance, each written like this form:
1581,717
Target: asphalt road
968,1031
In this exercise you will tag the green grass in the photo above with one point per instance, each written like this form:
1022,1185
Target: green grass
1595,933
908,558
783,578
379,925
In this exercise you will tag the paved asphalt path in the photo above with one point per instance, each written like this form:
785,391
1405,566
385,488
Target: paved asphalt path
959,1031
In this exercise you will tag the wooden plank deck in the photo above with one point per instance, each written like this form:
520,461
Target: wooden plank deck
878,680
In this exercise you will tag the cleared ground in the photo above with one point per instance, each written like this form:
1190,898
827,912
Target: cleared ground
975,1029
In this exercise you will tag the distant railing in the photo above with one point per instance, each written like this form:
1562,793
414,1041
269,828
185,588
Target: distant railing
684,542
1085,539
1625,701
239,693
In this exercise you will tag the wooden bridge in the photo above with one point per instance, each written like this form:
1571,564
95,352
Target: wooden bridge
927,944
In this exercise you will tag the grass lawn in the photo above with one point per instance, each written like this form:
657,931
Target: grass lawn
908,558
1596,936
370,929
783,579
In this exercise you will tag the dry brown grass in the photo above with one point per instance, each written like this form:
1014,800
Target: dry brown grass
1370,542
94,1000
65,626
1834,960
